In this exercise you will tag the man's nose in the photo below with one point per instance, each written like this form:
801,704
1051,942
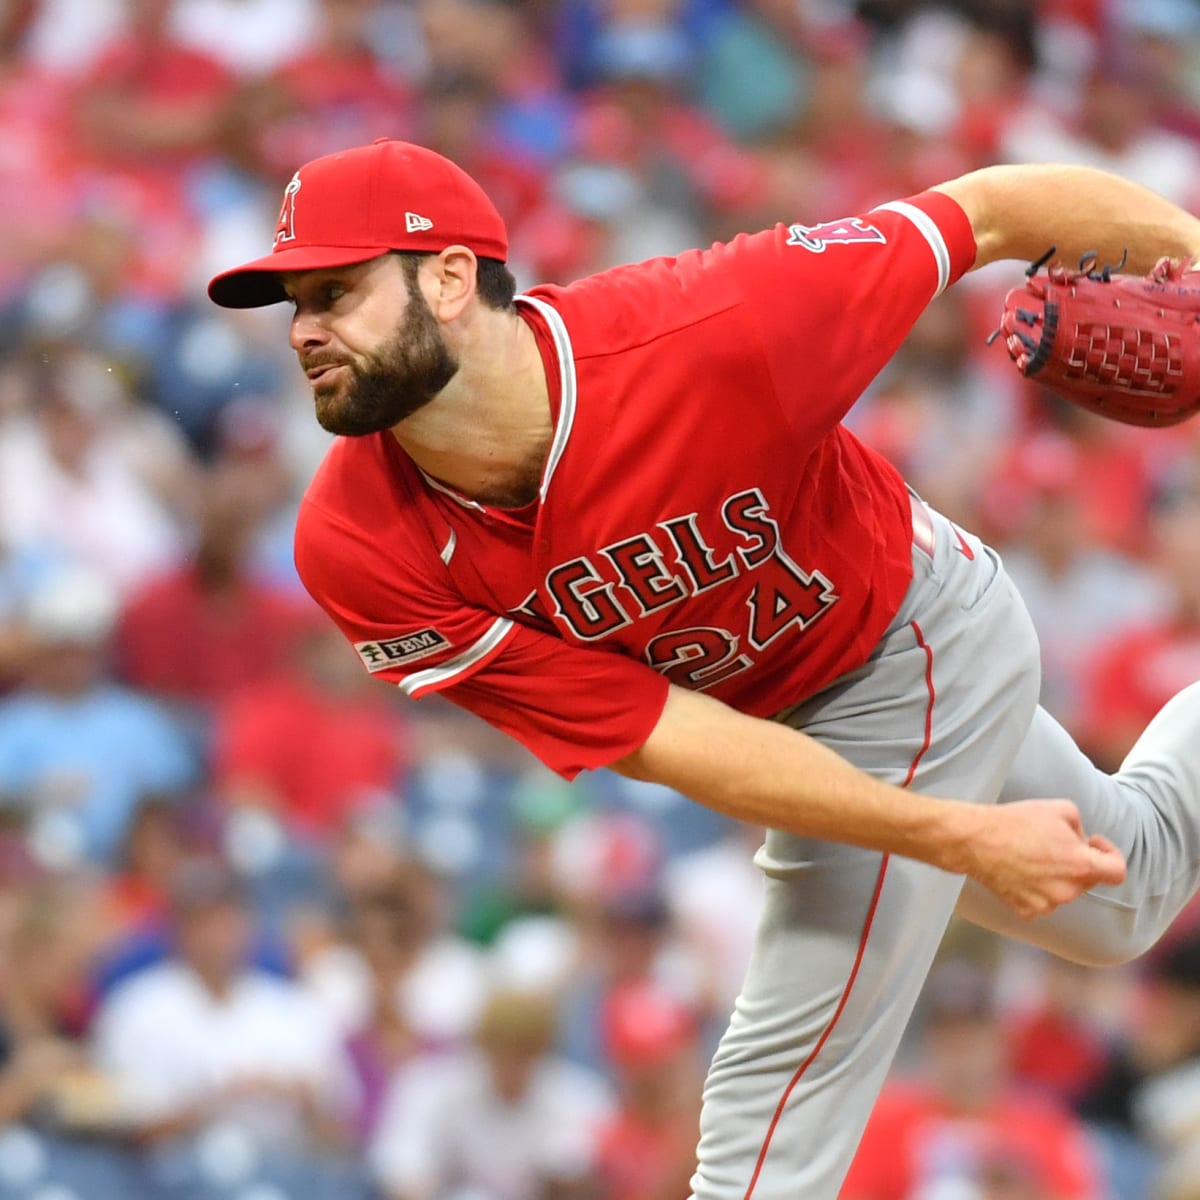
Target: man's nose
306,332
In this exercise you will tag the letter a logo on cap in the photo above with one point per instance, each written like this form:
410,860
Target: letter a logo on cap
285,230
415,223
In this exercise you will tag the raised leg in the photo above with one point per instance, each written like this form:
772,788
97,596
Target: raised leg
1150,808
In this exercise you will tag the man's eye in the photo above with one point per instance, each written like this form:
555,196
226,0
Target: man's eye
334,292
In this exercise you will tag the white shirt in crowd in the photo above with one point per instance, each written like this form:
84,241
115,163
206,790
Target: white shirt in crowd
104,517
168,1043
439,998
443,1129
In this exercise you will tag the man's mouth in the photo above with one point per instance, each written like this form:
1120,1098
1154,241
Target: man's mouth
315,374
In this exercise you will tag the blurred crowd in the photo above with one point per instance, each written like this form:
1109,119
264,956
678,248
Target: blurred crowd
268,932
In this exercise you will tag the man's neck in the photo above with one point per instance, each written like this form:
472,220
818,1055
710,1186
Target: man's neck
488,433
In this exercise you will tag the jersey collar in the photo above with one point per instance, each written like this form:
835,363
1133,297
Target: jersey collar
566,369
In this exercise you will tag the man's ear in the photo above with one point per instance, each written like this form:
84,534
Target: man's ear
451,282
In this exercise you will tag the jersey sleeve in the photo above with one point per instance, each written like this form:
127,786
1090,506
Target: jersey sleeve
831,303
575,708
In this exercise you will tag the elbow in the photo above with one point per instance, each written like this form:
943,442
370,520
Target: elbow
634,766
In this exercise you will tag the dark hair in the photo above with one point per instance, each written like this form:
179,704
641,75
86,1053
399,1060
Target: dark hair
494,281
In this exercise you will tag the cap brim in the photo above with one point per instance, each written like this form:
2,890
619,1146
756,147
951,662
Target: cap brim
257,284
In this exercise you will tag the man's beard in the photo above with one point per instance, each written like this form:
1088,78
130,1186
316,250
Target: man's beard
393,383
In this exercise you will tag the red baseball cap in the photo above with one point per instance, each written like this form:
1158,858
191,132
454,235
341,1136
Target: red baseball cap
360,203
644,1025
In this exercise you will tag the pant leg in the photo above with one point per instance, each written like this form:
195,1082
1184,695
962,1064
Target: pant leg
1150,808
847,936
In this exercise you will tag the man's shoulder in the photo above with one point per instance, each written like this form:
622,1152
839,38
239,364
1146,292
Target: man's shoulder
352,478
632,305
360,514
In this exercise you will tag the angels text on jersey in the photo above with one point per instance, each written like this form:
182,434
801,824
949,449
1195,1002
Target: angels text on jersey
595,595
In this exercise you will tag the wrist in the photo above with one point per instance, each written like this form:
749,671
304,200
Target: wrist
951,834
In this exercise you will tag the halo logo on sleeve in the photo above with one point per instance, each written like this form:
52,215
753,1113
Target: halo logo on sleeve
394,652
817,237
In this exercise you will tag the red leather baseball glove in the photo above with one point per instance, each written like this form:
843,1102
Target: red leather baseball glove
1125,346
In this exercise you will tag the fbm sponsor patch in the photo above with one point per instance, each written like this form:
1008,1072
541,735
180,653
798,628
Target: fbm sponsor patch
392,652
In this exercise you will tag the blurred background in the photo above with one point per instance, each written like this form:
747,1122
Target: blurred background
267,932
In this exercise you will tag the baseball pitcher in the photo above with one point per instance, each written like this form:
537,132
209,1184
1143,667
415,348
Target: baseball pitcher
622,521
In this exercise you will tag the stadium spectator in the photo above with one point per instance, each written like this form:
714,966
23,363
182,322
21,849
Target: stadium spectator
1059,1047
78,752
338,91
34,118
1166,1046
133,902
1146,1105
531,887
394,966
1164,36
150,126
154,106
249,37
44,950
458,116
938,411
754,69
992,74
402,978
639,118
715,896
73,480
648,1150
963,1126
1081,595
199,633
1115,128
1131,677
506,1118
204,1037
630,939
311,743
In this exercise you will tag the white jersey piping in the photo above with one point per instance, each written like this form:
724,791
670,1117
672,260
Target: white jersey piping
929,230
465,501
566,369
498,631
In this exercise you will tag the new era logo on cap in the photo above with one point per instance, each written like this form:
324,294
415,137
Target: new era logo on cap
415,223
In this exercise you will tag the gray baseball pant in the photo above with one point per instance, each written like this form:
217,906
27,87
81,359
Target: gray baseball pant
947,704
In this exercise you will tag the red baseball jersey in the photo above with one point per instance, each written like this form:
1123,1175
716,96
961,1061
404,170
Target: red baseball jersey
703,517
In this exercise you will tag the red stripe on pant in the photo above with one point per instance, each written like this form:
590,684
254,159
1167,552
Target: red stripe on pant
866,931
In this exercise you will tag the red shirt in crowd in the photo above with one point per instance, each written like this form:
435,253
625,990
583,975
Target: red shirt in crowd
1132,679
181,642
912,1145
637,1160
315,754
333,100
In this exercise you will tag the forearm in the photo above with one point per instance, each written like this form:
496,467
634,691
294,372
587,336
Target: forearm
1020,211
1034,854
765,773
